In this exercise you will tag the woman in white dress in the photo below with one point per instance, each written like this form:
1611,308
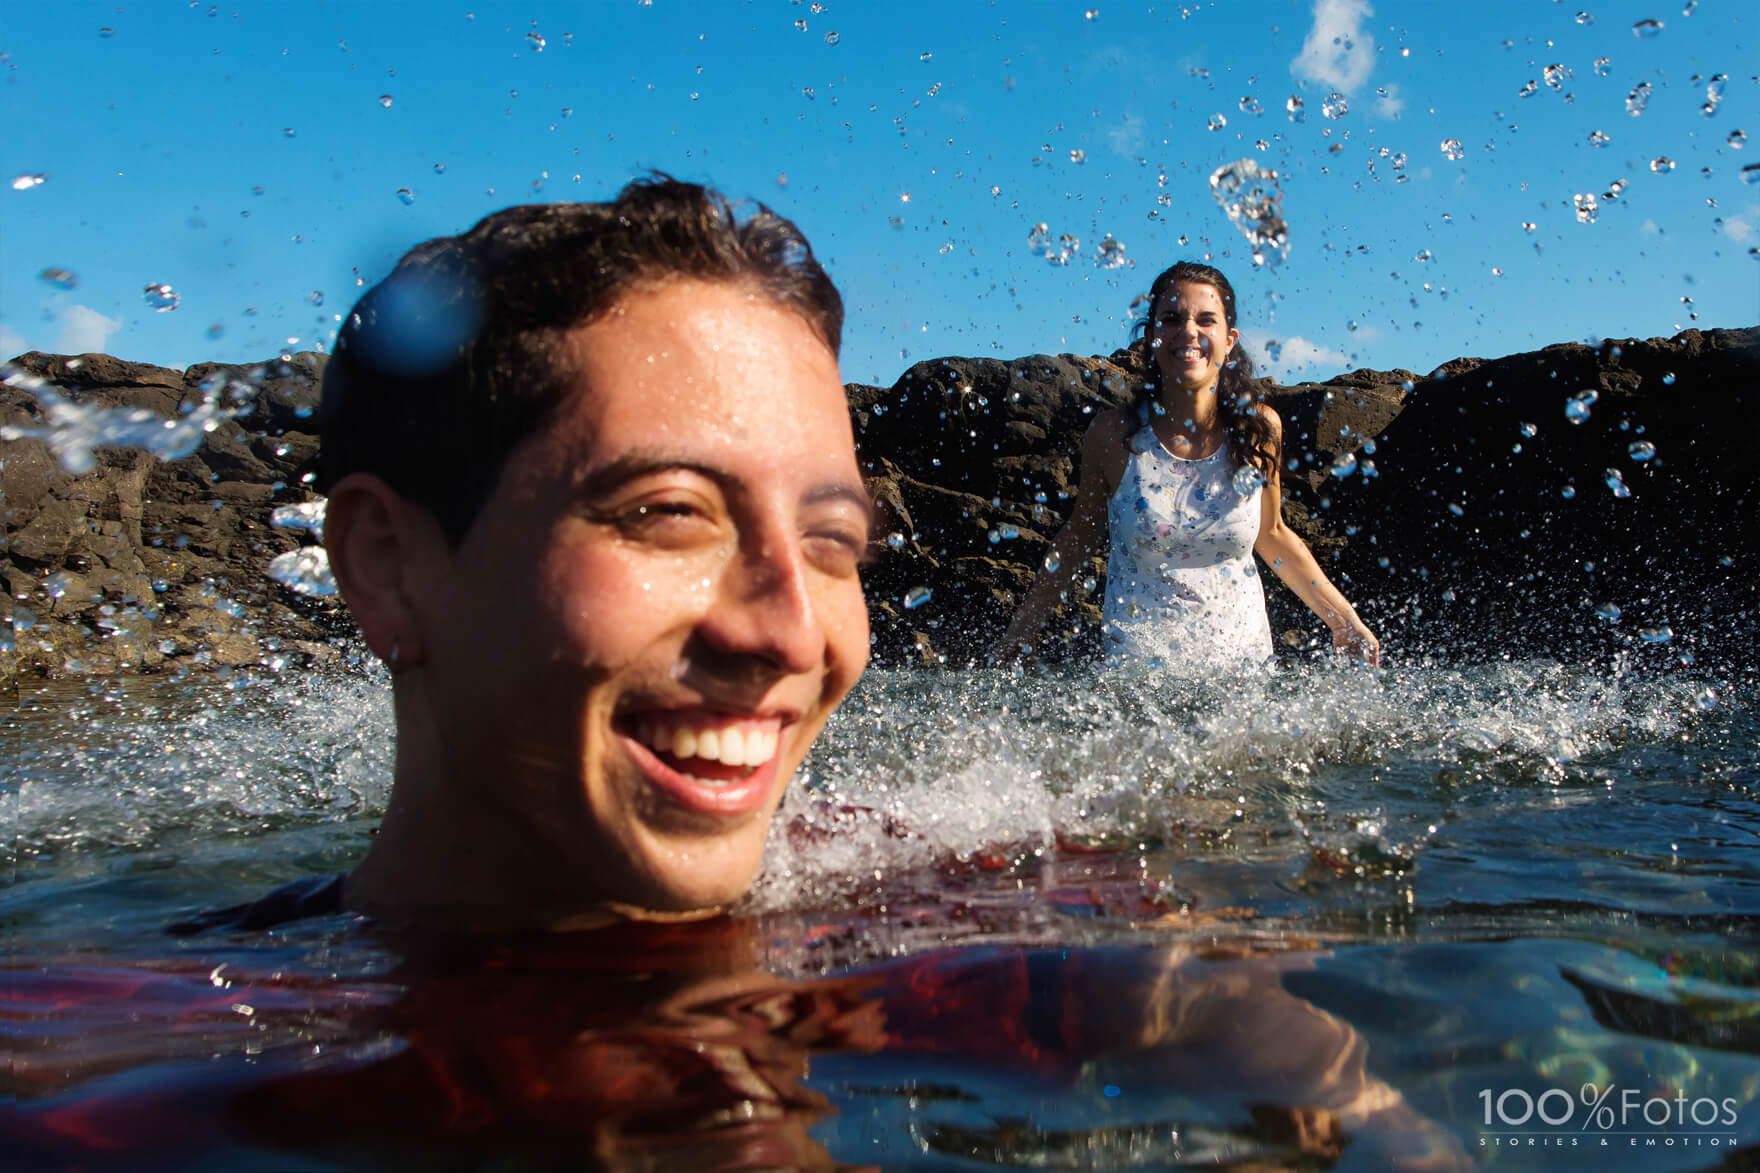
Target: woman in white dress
1185,483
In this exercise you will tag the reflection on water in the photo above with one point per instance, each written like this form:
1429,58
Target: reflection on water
1297,920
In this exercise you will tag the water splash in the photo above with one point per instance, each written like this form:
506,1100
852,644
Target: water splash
305,571
1109,254
160,298
1251,197
74,432
304,517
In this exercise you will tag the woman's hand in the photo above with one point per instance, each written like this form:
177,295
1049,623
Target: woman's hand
1358,640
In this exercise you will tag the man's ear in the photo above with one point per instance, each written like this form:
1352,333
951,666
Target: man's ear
381,546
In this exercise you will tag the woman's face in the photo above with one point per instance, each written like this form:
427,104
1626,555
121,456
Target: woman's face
1190,335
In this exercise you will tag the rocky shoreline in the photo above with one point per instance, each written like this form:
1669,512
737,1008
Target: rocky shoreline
1470,514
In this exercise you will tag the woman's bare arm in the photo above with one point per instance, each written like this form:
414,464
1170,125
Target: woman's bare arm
1103,456
1285,552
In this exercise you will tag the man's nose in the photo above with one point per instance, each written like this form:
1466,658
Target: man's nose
765,607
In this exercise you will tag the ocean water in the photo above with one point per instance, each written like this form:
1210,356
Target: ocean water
1504,916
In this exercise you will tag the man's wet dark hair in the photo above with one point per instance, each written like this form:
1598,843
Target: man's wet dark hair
444,367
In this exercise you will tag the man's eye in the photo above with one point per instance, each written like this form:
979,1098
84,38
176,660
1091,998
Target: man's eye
667,522
836,551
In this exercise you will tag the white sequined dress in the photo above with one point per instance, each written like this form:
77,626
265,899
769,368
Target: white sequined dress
1182,589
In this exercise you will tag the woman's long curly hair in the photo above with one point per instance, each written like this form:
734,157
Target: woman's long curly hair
1238,396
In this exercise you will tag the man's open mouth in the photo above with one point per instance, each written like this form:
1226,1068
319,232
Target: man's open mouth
707,748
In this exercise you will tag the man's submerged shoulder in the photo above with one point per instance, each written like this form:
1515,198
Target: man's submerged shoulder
307,897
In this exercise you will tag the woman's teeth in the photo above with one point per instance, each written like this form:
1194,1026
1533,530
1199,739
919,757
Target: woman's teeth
744,744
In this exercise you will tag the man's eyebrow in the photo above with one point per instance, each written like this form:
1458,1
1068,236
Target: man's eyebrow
838,491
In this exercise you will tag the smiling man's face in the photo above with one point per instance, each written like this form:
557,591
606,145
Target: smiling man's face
656,610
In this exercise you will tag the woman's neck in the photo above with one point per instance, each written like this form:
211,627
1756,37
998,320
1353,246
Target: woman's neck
1188,411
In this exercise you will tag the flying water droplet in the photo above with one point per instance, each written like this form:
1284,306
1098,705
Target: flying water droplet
1645,29
1617,484
1588,207
536,41
1661,165
1585,18
1641,450
1298,111
1530,430
1216,122
832,38
1452,149
1335,106
1638,99
1253,200
1039,237
1576,408
1251,105
1052,562
1109,254
305,571
1655,635
1598,138
1737,139
1343,465
306,516
385,101
1556,76
406,196
1078,156
160,297
1751,173
1608,611
916,597
59,278
1247,480
1529,89
25,181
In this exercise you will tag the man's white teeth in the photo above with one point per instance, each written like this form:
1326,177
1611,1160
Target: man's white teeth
730,745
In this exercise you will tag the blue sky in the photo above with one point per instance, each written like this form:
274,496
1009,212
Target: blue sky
251,154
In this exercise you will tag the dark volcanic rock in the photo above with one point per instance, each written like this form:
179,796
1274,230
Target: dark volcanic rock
1472,518
1454,532
143,563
